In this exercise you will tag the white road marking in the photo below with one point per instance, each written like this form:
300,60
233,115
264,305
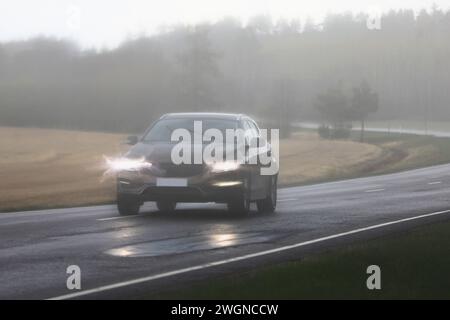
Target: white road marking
374,190
240,258
435,182
287,199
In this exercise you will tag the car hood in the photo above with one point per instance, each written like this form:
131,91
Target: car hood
157,151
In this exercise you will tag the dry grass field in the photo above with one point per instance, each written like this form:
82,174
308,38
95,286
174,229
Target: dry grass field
42,168
307,158
49,168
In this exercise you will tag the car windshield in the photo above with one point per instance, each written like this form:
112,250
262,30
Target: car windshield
162,130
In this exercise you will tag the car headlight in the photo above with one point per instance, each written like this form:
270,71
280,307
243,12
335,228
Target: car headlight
127,164
224,166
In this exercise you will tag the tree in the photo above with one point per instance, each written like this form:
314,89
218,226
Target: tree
364,102
283,103
333,106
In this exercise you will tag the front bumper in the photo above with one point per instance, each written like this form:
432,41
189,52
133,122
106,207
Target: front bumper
207,187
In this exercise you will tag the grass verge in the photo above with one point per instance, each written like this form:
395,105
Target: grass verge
417,151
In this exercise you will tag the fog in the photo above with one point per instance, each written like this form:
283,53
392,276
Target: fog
272,69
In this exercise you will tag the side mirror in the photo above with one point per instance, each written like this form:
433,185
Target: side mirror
132,140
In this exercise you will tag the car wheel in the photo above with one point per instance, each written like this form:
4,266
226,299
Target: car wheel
270,202
128,205
166,206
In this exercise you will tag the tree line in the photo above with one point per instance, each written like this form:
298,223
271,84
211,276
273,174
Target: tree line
339,111
284,71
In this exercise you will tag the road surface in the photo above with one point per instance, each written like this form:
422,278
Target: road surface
126,257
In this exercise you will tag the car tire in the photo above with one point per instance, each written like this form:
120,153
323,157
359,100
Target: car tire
269,204
128,205
166,206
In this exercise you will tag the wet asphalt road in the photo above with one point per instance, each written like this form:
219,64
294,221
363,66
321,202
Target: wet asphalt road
37,247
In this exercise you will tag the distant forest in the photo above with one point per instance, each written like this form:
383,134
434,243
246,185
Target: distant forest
268,69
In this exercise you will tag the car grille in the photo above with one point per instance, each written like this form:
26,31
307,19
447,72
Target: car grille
181,170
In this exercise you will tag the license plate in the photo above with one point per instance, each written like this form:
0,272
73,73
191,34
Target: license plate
171,182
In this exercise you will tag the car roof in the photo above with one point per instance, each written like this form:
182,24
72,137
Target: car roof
205,115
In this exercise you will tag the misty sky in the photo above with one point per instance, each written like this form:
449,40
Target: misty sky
105,23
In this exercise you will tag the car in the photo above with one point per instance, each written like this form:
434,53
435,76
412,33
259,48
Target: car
147,172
